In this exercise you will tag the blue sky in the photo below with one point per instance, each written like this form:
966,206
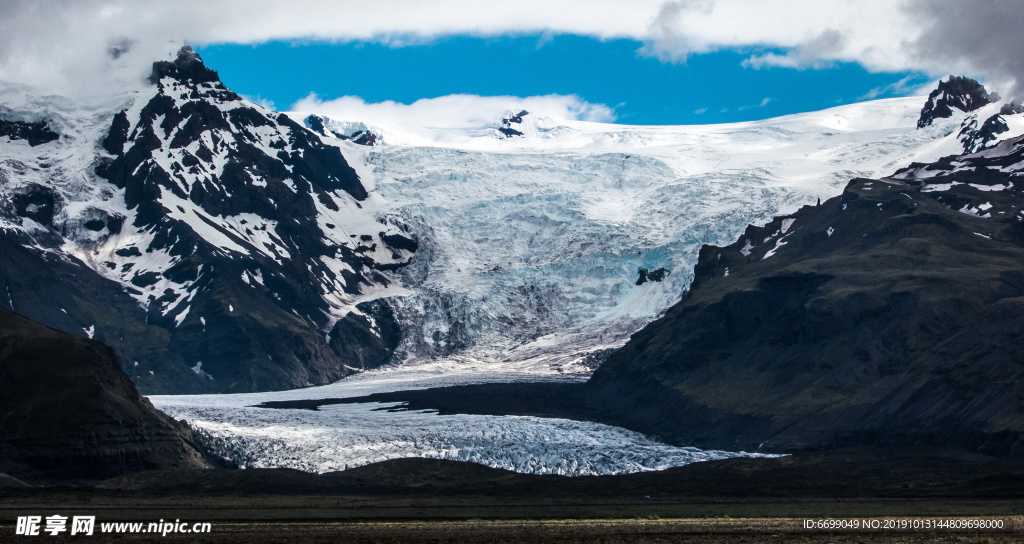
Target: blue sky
813,54
707,88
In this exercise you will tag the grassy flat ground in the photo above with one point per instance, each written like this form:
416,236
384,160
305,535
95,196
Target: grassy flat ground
423,500
303,508
395,519
784,530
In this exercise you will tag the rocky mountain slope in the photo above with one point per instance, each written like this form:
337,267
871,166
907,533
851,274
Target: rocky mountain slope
218,246
68,412
892,314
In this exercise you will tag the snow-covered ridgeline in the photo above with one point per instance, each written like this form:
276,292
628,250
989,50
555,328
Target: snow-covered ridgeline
67,169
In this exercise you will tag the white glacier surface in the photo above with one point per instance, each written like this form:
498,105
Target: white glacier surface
344,436
530,246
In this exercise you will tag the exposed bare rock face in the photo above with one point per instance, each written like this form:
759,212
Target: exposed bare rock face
957,92
213,243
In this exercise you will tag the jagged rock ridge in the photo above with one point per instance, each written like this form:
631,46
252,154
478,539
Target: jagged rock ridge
982,127
959,92
357,133
36,133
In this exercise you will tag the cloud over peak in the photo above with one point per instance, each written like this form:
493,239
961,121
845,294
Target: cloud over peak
456,110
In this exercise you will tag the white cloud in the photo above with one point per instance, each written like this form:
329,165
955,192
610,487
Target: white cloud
867,31
898,88
764,102
66,45
666,37
812,54
981,37
456,110
938,37
419,123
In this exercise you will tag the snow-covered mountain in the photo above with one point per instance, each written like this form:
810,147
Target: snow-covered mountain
220,246
217,245
989,118
890,315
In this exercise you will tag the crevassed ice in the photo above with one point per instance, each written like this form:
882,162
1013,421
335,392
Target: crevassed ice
530,247
346,436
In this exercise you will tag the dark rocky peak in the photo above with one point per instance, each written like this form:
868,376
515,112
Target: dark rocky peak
962,93
512,119
36,133
1011,108
238,236
975,138
187,67
361,136
515,118
223,153
317,125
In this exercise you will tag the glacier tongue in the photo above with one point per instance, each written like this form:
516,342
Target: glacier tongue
342,436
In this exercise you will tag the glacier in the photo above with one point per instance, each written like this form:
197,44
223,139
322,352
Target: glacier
529,254
530,246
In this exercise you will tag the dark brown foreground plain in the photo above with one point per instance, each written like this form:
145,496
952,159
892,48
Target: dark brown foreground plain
745,530
420,500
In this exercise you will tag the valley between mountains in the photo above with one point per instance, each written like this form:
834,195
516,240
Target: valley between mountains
539,295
